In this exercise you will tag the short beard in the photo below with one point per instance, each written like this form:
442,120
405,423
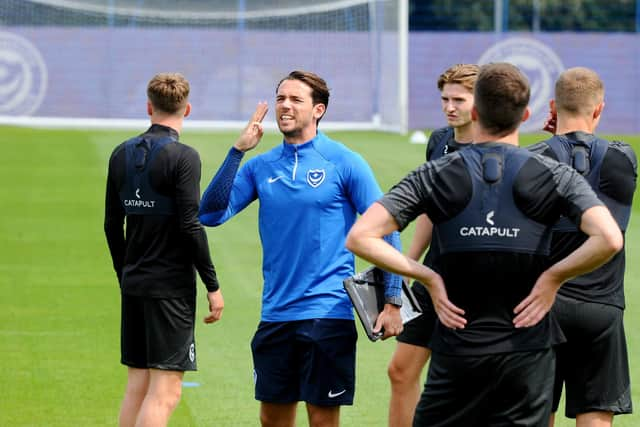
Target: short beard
291,133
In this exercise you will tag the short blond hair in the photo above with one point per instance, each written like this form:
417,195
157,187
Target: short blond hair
578,91
462,74
168,92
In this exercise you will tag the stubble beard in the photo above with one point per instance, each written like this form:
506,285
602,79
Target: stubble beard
291,133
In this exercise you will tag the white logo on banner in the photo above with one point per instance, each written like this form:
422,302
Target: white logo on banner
540,64
23,76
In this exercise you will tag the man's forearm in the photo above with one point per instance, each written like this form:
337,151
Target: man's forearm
216,196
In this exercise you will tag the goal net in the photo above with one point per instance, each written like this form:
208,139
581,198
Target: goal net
87,62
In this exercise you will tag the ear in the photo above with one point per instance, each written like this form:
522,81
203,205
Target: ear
474,114
526,114
187,110
552,107
149,108
598,111
319,110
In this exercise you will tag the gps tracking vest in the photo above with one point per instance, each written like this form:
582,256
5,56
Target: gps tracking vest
585,153
491,221
137,195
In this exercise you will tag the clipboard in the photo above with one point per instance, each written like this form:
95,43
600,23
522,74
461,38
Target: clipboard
366,291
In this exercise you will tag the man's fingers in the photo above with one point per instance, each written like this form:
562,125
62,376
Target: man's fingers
523,304
454,308
392,331
213,316
451,319
378,326
529,316
452,322
260,113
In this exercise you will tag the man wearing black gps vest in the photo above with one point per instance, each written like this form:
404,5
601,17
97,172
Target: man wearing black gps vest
590,308
412,351
493,206
154,186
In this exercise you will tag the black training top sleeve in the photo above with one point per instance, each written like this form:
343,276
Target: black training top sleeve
619,173
114,214
187,201
542,148
546,189
440,188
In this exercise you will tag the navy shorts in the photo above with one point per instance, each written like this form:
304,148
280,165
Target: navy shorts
158,333
509,389
593,364
418,331
306,360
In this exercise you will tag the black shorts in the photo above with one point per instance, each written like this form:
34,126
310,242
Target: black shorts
509,389
307,360
418,331
593,364
158,333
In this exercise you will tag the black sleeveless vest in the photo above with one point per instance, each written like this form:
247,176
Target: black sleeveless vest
137,195
585,153
440,146
491,221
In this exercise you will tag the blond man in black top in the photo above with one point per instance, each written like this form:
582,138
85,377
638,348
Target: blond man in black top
153,187
590,308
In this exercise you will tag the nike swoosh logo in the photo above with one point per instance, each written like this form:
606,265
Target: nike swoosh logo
271,180
332,394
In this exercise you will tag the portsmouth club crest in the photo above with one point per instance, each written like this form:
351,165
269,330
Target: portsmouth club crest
315,177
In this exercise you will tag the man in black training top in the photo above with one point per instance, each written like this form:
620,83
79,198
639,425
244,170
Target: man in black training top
492,205
412,352
153,186
593,364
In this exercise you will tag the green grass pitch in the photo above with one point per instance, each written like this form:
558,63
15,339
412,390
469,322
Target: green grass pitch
59,300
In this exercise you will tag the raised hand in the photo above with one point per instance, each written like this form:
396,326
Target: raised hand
551,123
252,133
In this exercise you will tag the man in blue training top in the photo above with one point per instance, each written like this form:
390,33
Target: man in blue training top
310,190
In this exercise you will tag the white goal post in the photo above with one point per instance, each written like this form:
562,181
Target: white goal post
85,63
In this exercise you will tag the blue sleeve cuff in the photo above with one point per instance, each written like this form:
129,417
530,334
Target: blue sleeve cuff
393,282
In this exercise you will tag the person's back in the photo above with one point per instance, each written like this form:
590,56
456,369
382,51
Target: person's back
153,186
610,168
589,307
455,86
158,260
488,226
493,341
